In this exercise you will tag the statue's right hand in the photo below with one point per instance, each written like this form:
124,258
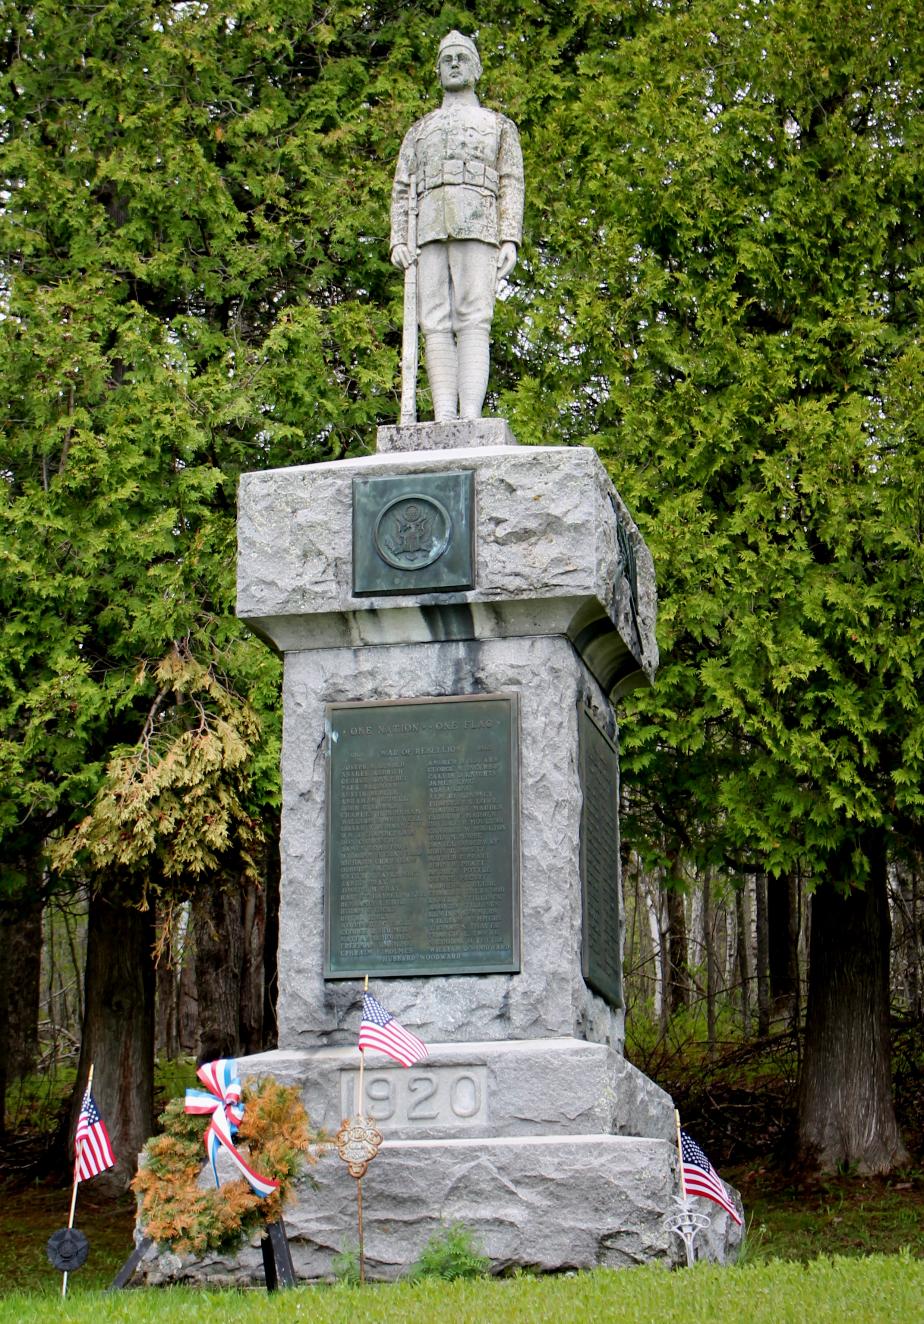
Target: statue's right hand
401,256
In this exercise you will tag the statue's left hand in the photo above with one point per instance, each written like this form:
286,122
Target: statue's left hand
506,259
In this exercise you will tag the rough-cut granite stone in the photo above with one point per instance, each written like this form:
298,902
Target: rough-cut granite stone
509,1088
548,1204
548,998
454,435
547,560
525,1122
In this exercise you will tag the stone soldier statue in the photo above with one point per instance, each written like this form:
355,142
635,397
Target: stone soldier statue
460,176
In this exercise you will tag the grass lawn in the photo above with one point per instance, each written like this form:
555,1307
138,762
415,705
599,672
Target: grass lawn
780,1292
835,1216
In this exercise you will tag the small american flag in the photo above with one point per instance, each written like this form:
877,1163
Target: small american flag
94,1152
380,1030
701,1178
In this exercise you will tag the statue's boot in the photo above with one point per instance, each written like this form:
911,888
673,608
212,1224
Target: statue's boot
474,365
443,374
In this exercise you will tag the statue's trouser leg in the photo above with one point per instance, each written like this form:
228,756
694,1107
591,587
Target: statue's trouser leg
474,366
473,266
443,374
456,285
434,314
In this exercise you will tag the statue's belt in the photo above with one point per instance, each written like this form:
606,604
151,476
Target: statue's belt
475,174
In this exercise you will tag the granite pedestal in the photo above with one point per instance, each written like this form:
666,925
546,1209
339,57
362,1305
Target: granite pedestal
525,1121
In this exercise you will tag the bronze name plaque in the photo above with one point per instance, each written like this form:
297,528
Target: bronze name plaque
601,948
422,843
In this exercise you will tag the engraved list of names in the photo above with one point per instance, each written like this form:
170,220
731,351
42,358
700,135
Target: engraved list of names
602,939
422,837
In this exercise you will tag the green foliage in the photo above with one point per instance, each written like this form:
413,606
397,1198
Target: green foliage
842,1216
172,1078
752,260
717,288
449,1254
346,1266
175,803
35,1104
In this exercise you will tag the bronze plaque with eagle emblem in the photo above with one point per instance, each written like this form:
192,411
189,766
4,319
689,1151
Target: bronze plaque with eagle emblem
413,533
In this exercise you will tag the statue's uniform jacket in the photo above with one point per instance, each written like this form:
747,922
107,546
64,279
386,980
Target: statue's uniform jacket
469,171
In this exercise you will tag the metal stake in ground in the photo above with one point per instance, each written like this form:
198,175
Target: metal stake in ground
357,1144
687,1220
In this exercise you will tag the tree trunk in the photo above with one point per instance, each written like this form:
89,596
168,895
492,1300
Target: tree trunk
253,925
677,946
218,937
744,963
166,1040
916,1000
20,978
709,944
783,940
796,939
188,997
846,1114
906,946
763,955
271,943
653,902
118,1033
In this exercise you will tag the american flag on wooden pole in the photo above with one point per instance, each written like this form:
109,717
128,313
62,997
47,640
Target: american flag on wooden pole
94,1152
380,1031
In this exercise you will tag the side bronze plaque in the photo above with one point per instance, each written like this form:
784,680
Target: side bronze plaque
422,841
601,948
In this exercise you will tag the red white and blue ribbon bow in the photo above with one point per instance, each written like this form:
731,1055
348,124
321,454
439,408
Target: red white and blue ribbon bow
223,1103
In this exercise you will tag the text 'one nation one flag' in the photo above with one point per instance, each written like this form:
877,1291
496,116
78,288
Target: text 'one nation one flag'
380,1031
94,1152
701,1178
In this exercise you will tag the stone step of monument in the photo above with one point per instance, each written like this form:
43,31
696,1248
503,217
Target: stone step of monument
546,1203
518,1087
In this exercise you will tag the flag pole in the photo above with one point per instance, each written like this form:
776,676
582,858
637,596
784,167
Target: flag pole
70,1220
683,1185
359,1182
686,1222
360,1108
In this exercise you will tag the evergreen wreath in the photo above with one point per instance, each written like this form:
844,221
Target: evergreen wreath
177,1212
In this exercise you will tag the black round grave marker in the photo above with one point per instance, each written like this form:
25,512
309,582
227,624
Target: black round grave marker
68,1249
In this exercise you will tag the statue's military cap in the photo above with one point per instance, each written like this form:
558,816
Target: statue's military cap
456,40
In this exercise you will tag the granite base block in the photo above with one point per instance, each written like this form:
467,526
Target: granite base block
539,1203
